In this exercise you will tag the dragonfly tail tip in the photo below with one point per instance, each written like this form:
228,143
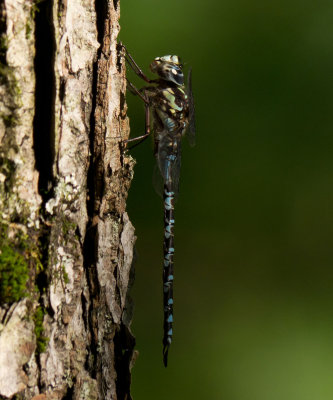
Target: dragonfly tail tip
165,355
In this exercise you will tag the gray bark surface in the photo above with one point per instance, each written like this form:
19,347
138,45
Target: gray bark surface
66,242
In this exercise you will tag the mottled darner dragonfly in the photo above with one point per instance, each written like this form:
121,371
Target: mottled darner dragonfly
170,103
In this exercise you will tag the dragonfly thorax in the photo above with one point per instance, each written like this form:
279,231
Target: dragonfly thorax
169,68
170,110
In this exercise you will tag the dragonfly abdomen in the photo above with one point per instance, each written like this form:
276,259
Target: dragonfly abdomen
169,250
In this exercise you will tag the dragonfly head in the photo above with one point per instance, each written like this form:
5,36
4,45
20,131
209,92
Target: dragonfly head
168,68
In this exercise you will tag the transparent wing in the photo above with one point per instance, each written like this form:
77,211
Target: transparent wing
169,161
191,128
158,180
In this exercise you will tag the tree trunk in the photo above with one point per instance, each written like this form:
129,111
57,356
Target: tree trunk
66,243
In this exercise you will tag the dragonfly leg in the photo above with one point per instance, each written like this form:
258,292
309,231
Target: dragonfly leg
137,92
147,127
135,66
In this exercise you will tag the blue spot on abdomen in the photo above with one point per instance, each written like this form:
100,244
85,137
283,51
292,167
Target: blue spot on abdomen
170,318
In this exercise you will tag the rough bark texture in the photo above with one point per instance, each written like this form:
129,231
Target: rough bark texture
66,243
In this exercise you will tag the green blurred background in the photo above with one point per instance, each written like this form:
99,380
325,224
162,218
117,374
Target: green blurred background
254,220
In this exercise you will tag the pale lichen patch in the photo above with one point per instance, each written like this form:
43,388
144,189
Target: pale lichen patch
17,344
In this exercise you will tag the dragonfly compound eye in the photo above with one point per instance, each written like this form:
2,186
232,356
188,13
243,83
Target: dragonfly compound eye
168,68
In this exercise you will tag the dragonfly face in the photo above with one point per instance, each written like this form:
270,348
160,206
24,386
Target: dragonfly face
169,68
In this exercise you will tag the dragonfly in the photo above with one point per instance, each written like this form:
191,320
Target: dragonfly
169,103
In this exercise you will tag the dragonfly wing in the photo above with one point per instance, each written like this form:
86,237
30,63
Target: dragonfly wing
169,161
191,128
158,180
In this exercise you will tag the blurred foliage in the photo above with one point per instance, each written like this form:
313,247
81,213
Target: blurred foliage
254,220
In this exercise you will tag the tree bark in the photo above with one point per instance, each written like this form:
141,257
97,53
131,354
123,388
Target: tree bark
66,242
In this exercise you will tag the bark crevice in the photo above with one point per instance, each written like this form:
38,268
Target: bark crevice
44,148
43,127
